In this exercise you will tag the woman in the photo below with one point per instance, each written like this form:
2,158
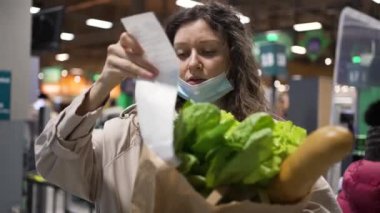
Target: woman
214,49
361,180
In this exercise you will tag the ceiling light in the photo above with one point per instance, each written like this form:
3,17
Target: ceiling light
34,10
67,36
98,23
77,79
64,73
337,89
62,57
259,72
277,83
190,3
76,71
187,3
282,88
328,61
307,26
243,19
343,100
376,1
296,77
298,50
345,88
40,76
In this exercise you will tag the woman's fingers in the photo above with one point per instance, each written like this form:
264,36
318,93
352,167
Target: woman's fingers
126,59
130,44
139,60
142,62
117,49
129,49
132,69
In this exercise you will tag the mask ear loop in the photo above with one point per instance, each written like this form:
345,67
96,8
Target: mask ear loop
228,71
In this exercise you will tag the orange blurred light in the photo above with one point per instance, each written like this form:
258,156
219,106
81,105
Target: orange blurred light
115,92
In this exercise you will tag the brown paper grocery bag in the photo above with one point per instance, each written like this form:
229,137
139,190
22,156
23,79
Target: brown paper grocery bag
160,188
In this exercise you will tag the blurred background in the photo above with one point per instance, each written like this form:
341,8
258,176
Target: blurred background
318,65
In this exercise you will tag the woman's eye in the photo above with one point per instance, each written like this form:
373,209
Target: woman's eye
181,54
208,52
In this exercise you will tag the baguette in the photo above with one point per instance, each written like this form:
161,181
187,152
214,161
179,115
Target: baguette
301,169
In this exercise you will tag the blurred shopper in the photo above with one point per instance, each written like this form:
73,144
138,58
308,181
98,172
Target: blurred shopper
361,181
43,101
282,105
213,48
43,111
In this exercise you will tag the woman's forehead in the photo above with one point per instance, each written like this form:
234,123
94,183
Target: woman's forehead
198,30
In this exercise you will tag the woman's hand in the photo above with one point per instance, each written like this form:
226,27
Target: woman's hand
125,60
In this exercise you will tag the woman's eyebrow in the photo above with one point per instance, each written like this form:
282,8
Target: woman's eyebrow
180,43
210,41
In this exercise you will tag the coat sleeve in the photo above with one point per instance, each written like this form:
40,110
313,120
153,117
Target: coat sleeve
322,198
68,151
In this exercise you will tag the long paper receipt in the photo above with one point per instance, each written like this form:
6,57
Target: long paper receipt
156,99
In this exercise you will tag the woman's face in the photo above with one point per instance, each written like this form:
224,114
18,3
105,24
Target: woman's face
203,53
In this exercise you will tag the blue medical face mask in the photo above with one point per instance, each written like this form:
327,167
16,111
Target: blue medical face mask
208,91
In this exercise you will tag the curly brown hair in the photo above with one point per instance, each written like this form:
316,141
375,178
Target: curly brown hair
247,96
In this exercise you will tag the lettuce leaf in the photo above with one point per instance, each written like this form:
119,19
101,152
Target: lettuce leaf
193,120
238,138
216,149
208,139
235,169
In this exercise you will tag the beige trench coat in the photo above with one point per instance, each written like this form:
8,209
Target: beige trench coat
113,169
